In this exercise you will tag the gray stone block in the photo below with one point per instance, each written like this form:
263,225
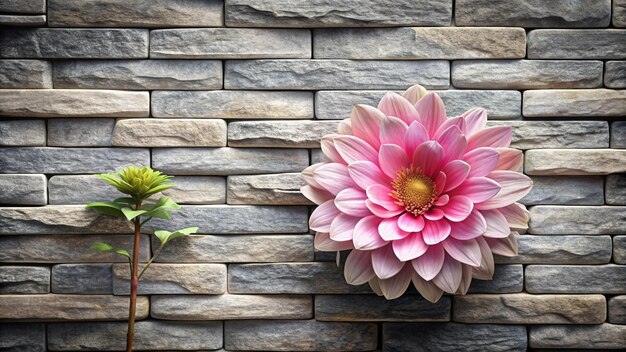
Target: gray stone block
574,161
335,74
279,134
172,279
571,190
615,73
34,7
574,103
267,189
584,220
24,279
617,310
22,133
584,337
72,132
23,21
561,250
506,279
557,134
23,189
618,134
619,249
607,279
198,190
58,43
25,74
82,278
619,13
169,133
79,189
584,44
22,337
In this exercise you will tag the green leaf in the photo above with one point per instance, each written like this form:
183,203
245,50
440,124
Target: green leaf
162,235
130,214
125,200
166,236
107,208
159,209
105,247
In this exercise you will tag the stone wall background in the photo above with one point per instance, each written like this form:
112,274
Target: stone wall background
234,104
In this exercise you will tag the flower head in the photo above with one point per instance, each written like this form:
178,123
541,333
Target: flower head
139,183
417,196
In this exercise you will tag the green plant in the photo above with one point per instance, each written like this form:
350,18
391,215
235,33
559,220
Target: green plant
139,184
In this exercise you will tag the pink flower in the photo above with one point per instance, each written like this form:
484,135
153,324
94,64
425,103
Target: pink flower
417,196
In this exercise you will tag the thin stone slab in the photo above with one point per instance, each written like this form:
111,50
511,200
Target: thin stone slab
585,220
300,335
533,13
169,133
24,279
607,279
574,102
85,132
23,337
82,278
150,335
618,134
230,43
138,74
198,190
23,189
575,249
527,74
33,7
73,103
22,133
230,307
506,279
137,13
279,134
499,104
619,249
522,308
23,21
431,337
571,190
605,335
67,248
267,189
617,310
349,13
446,43
238,249
226,104
228,161
25,74
60,43
290,278
619,13
407,308
615,73
172,279
587,44
53,307
574,161
335,74
557,134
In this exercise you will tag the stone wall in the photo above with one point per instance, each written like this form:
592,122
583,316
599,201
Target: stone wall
233,103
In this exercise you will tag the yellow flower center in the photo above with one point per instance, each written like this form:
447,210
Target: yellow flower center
413,191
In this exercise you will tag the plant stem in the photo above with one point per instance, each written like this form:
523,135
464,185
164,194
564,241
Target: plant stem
151,260
134,283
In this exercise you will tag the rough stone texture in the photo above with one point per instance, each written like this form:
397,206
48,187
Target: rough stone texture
522,308
22,337
574,190
431,337
25,74
66,248
198,190
561,250
618,134
617,310
533,13
557,134
566,43
350,13
266,189
52,307
407,308
58,43
23,21
149,335
24,279
619,249
71,132
574,103
34,7
447,43
574,161
301,335
173,279
499,104
73,103
585,337
615,73
619,13
227,161
23,189
226,104
335,74
138,74
561,220
576,279
229,307
290,278
70,160
137,13
279,134
22,133
169,133
527,74
616,189
230,43
82,278
238,249
506,279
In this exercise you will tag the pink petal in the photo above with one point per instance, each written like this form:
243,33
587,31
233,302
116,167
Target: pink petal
351,201
328,149
429,264
382,212
392,131
497,136
433,214
478,189
353,149
345,127
466,279
432,112
440,183
324,243
482,160
510,159
389,230
307,175
394,287
358,267
497,226
365,121
393,104
458,209
435,231
366,173
427,289
504,246
342,227
475,120
379,194
365,235
487,267
410,247
415,135
467,251
392,158
516,215
472,227
429,157
456,172
315,195
453,143
514,185
442,200
415,93
375,285
449,278
458,121
322,216
333,177
411,223
385,262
